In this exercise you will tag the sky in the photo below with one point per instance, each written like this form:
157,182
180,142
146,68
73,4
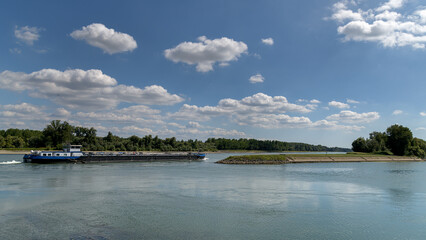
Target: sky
318,71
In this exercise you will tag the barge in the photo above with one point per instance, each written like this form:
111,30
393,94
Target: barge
73,154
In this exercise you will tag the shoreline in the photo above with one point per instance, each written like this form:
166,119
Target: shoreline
289,159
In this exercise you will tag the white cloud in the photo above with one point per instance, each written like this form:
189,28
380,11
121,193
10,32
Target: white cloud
397,112
268,41
333,125
27,34
205,53
257,103
338,104
176,125
61,113
391,4
21,108
423,114
354,117
134,130
192,124
258,78
273,121
314,101
342,13
90,89
352,101
15,50
11,114
208,133
137,114
383,25
420,15
107,39
420,128
263,111
189,112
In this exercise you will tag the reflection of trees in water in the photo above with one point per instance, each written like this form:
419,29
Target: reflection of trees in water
400,183
400,196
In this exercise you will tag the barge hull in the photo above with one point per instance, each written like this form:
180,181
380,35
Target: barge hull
114,158
138,158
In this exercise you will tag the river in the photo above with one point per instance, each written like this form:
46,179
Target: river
204,200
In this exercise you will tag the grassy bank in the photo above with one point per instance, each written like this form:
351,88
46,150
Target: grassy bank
255,159
313,158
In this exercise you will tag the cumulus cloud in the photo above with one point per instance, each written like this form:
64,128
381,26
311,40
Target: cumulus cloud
314,101
208,133
27,34
134,130
397,112
272,120
391,4
192,124
268,41
258,78
383,24
354,117
84,89
12,115
352,101
338,104
423,114
342,13
257,103
334,125
205,53
107,39
262,111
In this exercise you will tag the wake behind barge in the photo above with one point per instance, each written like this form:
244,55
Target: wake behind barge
73,154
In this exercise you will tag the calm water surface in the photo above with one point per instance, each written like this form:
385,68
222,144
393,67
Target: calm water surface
203,200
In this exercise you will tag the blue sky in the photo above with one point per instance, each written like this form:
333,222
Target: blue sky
320,72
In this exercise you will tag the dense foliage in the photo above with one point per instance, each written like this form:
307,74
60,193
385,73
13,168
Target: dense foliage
396,140
58,133
268,145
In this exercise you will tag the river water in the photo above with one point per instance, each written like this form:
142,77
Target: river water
204,200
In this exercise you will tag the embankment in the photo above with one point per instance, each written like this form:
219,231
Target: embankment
314,158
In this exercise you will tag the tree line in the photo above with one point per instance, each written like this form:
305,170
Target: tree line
397,140
57,133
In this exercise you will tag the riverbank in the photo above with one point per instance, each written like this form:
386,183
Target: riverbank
14,152
315,158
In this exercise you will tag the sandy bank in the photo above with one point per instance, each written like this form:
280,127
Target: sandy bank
14,152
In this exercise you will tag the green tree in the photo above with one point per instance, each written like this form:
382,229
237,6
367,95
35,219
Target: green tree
2,141
359,145
57,133
377,142
14,142
417,148
398,139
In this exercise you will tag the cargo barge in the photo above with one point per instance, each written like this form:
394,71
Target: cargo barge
73,154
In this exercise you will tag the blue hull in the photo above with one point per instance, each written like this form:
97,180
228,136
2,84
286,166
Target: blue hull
28,158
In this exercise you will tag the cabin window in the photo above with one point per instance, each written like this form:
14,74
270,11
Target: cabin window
44,154
57,154
49,154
